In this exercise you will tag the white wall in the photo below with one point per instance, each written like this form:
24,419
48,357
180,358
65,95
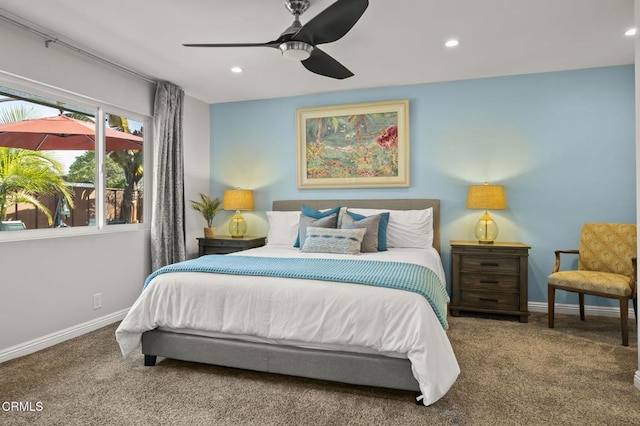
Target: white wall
24,54
47,285
637,55
197,144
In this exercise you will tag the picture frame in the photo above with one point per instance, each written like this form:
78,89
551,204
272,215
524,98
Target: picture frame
363,145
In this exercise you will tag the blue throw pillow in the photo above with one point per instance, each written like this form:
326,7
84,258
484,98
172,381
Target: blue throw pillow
382,228
316,214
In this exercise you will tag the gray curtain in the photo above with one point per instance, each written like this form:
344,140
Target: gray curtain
167,221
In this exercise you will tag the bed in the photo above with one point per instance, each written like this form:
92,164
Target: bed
304,325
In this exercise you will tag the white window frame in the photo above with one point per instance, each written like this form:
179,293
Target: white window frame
100,108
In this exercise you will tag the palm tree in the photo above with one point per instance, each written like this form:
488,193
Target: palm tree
318,127
24,175
16,113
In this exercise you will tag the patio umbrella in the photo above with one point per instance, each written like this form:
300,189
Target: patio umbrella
62,133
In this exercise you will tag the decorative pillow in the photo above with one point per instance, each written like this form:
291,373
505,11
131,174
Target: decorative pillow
407,228
283,227
382,228
307,222
371,224
337,241
316,214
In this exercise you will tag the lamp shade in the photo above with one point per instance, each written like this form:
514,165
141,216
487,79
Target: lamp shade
486,197
237,199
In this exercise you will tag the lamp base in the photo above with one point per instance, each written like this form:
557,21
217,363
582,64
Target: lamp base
237,226
486,229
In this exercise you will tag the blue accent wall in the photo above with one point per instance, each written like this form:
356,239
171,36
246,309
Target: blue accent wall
562,143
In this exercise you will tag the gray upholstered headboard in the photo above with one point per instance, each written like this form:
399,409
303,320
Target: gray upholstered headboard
391,204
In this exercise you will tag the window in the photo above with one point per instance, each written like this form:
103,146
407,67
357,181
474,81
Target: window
124,170
48,156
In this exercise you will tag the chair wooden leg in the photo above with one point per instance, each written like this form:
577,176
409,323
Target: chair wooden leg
551,304
635,308
581,299
624,316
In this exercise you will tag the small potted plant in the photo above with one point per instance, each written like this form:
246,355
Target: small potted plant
209,208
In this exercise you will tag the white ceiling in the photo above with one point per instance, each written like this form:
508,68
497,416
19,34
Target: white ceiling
396,42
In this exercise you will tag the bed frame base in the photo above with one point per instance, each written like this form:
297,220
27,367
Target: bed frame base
344,367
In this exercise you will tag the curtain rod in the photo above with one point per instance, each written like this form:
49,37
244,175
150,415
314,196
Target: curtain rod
49,39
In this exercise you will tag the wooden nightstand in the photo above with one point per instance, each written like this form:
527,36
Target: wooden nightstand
491,278
224,244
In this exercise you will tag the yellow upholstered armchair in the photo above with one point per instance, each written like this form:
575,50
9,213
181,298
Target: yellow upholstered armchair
606,268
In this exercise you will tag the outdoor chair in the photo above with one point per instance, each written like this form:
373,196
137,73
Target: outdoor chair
606,268
12,225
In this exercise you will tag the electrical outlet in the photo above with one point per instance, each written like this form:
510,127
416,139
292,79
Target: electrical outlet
97,301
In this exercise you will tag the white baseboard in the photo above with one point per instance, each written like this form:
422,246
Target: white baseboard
563,308
43,342
636,379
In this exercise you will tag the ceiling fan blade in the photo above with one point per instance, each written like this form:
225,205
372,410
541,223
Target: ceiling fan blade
332,23
323,64
268,44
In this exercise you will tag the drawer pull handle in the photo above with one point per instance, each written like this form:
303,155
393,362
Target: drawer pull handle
489,264
484,299
489,282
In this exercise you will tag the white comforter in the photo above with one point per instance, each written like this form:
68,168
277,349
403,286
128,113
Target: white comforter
304,313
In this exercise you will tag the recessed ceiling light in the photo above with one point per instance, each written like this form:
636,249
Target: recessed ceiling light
236,70
452,43
631,32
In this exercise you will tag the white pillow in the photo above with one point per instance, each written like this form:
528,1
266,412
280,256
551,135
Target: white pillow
407,228
283,227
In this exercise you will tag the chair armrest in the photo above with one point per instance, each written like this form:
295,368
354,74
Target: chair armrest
556,267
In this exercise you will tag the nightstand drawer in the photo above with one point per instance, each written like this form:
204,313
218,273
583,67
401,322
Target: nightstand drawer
225,244
228,243
506,283
221,249
490,300
495,264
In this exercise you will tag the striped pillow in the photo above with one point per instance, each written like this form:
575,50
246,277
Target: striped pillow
330,240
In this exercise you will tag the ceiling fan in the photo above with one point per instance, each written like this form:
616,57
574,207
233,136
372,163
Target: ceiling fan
301,41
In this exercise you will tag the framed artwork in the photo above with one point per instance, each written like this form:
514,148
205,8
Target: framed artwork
353,146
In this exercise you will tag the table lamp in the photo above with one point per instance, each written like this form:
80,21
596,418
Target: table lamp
486,197
237,199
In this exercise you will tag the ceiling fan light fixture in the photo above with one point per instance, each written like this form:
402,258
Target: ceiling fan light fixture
297,50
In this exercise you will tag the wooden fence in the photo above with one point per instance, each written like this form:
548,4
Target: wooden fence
82,214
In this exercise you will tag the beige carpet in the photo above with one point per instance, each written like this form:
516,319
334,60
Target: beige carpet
512,374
